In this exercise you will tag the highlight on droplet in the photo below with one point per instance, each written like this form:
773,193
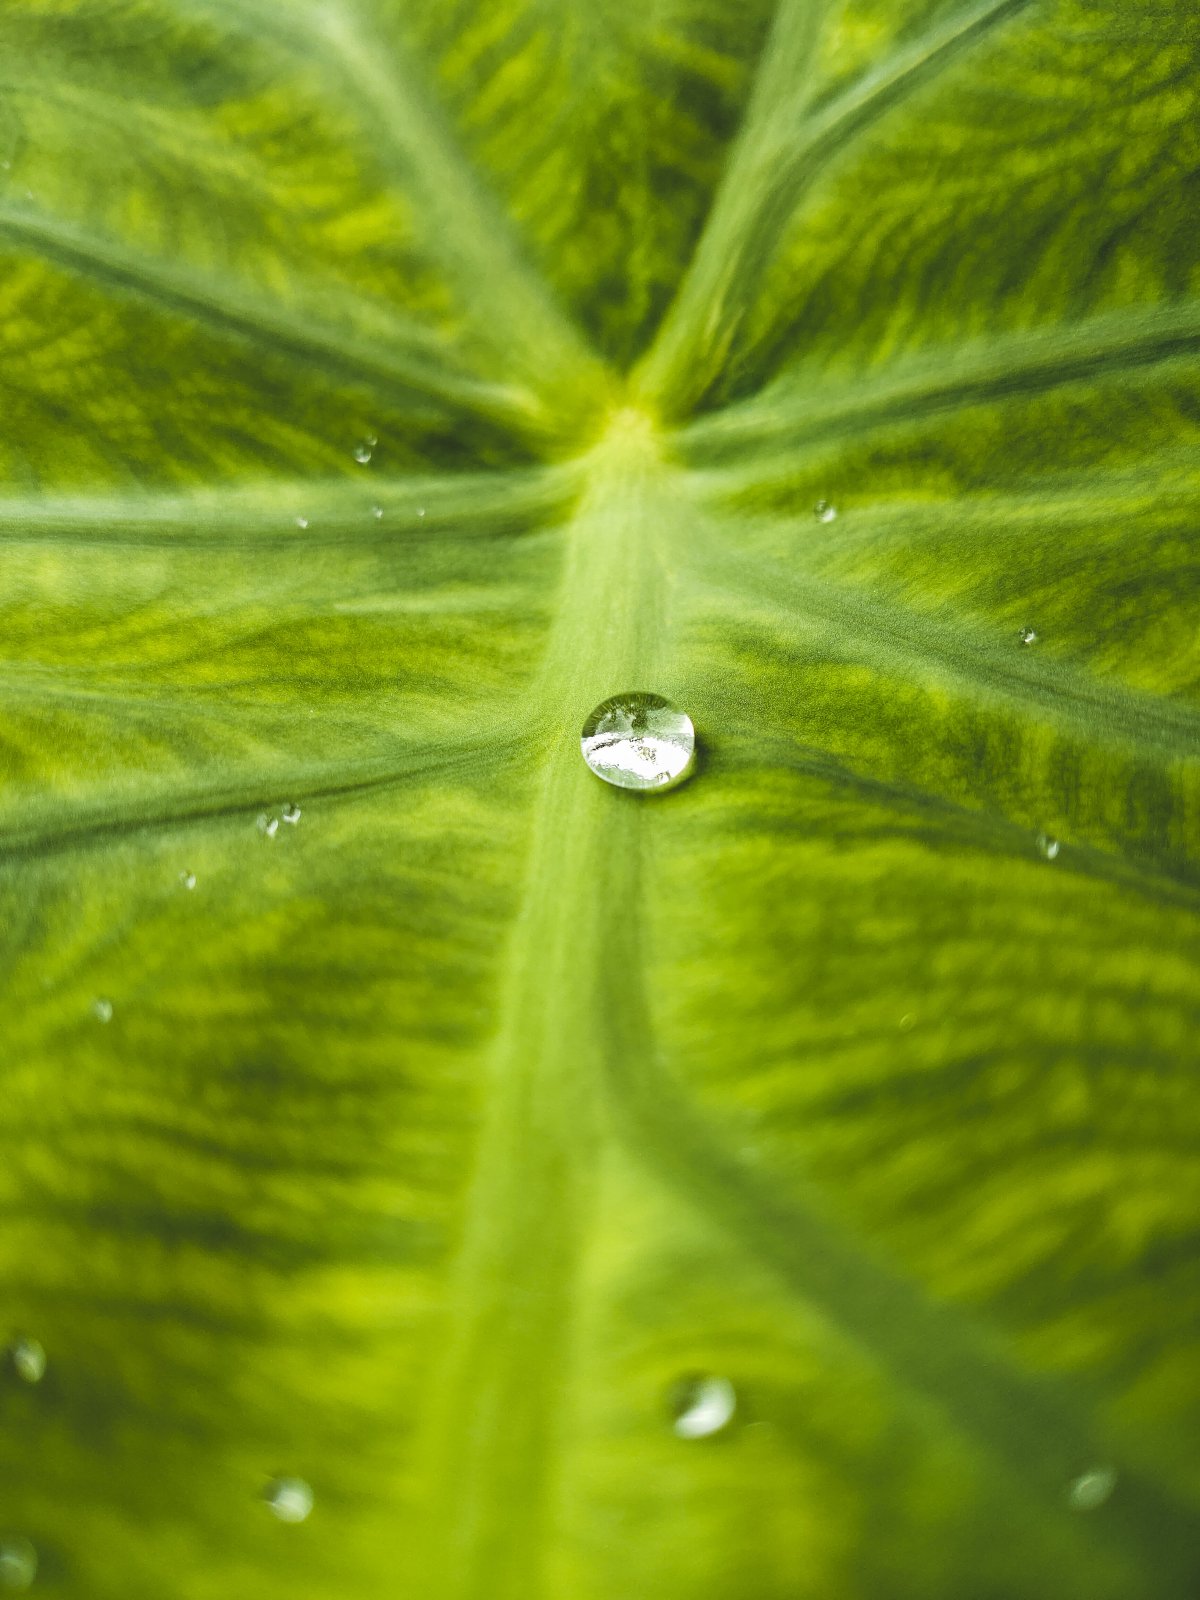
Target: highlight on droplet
701,1404
18,1564
289,1499
639,741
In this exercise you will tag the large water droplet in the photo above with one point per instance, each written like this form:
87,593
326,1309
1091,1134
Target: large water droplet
28,1359
824,511
18,1564
1048,846
1027,636
291,813
187,879
702,1405
290,1499
639,741
267,825
102,1009
1092,1488
302,522
365,450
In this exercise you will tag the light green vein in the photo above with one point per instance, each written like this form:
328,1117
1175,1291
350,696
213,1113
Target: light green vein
388,91
1157,495
407,366
742,748
803,613
330,511
1036,1430
799,410
489,1445
762,188
62,829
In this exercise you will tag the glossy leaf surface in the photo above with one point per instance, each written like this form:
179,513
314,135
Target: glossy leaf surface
393,1109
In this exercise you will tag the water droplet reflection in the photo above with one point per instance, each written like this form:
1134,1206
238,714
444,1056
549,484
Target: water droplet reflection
291,814
1048,846
188,879
18,1564
639,741
302,522
377,512
266,825
28,1359
824,512
365,450
1027,636
702,1405
290,1499
102,1009
1092,1488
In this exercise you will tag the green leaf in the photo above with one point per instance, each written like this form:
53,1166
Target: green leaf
385,383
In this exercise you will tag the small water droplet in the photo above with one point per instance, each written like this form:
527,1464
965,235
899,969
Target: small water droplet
420,511
701,1405
188,879
102,1009
28,1360
1092,1488
365,450
1047,846
639,741
824,511
1027,636
269,826
302,522
291,813
907,1022
18,1564
290,1499
377,512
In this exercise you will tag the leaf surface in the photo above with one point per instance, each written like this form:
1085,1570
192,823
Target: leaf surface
389,1104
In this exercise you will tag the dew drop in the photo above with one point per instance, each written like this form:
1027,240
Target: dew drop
825,512
188,879
1047,846
18,1564
702,1405
290,1499
377,512
1027,636
28,1359
639,741
420,511
291,813
302,522
1092,1488
102,1009
907,1022
268,826
365,450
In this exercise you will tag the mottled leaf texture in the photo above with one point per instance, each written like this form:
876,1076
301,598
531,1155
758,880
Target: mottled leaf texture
394,1113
